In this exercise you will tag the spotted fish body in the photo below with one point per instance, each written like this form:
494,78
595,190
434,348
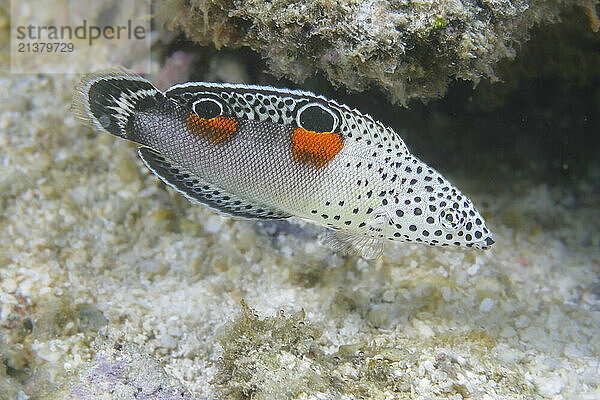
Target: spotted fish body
268,153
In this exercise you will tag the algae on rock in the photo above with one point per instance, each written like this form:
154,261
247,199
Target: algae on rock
285,356
410,49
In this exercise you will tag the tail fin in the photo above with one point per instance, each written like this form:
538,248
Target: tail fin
107,99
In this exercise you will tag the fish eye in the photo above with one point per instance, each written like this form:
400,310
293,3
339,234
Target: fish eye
317,118
452,219
207,108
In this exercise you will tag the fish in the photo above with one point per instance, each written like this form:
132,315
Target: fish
259,152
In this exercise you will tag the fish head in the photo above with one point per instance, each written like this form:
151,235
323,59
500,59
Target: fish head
428,209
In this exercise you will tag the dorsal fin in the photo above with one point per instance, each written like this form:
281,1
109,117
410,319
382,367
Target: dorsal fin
266,103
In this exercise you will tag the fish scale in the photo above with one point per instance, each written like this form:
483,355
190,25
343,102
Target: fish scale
262,152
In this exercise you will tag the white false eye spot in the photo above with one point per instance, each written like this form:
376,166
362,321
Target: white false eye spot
451,219
207,108
316,117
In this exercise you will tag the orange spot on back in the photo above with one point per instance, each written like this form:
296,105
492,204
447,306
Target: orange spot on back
217,130
316,148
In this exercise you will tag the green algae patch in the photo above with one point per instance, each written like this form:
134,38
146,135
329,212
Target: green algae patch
477,340
61,318
264,357
438,22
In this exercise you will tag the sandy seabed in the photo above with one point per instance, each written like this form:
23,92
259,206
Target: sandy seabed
113,286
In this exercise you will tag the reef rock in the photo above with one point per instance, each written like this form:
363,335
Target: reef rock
410,49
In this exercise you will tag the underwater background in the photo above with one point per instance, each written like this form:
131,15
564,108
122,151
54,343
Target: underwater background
113,286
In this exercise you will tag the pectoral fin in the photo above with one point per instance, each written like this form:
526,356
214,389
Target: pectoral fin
355,242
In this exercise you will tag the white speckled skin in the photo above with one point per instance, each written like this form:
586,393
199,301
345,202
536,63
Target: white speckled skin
372,188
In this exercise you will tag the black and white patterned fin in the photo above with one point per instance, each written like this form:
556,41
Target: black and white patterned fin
107,100
200,191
